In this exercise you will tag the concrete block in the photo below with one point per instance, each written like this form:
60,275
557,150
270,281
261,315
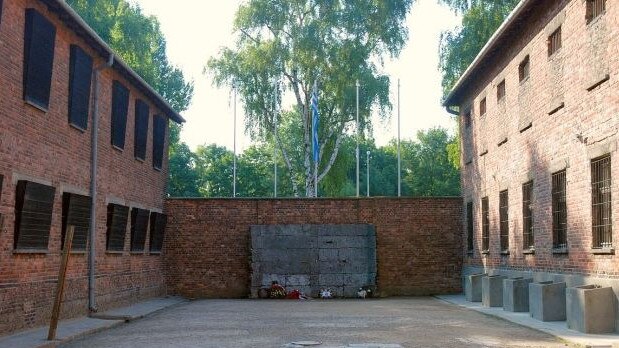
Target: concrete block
590,309
472,287
516,294
492,291
547,300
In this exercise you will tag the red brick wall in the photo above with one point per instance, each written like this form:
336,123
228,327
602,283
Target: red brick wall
43,146
207,242
583,129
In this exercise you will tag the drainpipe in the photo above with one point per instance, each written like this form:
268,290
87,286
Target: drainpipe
92,305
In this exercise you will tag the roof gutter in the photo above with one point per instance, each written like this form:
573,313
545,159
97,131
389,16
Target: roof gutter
490,44
76,17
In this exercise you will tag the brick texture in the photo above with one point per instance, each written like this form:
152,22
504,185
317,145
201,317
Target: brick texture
572,121
207,242
43,146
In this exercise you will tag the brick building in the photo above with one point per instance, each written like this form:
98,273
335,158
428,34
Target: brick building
540,114
58,82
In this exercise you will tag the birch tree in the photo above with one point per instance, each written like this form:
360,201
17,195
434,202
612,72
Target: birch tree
284,46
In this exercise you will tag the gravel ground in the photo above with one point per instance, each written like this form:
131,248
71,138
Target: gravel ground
393,322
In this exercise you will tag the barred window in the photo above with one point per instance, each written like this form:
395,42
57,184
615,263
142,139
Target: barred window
139,225
527,215
500,91
504,220
554,42
601,202
34,205
469,226
523,68
117,216
485,220
76,212
158,223
559,210
595,8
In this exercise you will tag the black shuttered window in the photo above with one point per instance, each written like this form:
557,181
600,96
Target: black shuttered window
159,126
34,205
120,107
76,212
158,223
39,41
139,225
117,216
141,129
80,74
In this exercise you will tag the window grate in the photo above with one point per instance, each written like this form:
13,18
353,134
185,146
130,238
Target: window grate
467,119
595,8
482,107
485,219
469,226
523,68
601,202
527,215
500,90
504,220
554,42
559,210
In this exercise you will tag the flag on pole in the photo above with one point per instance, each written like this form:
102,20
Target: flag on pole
315,122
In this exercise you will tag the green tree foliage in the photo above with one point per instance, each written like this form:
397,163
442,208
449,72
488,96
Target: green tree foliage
303,41
138,40
429,171
459,47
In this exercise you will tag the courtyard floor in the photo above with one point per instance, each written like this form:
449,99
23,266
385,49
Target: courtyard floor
389,323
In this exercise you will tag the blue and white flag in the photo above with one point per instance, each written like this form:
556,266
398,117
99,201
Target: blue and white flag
315,122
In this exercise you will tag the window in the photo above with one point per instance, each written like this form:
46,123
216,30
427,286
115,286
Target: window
559,211
469,226
76,212
0,11
158,223
528,241
485,221
523,69
159,125
116,226
467,119
504,220
482,107
554,42
595,8
39,41
601,202
139,224
34,204
500,91
80,74
141,129
120,106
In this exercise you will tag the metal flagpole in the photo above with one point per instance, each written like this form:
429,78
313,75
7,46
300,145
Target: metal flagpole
399,158
275,144
234,162
368,174
357,152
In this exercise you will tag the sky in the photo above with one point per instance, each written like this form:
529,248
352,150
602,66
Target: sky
196,35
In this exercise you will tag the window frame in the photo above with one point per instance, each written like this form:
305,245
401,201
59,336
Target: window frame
594,10
524,69
139,227
555,41
37,59
157,226
601,202
504,221
528,233
33,201
559,209
501,91
116,227
82,226
485,220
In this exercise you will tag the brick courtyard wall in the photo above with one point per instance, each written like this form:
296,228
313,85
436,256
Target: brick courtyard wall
207,244
568,138
42,146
